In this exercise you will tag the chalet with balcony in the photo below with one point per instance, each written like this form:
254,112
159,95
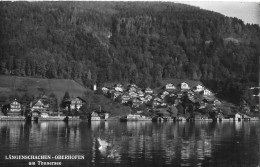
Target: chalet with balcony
76,103
13,108
40,105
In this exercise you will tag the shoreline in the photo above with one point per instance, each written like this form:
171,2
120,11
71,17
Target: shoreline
117,118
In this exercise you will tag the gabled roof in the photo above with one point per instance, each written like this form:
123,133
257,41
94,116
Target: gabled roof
44,97
74,97
179,81
37,101
8,102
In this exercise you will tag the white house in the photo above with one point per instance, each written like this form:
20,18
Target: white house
148,97
95,116
140,93
198,88
148,91
119,89
238,117
170,86
207,92
76,103
184,86
125,98
158,99
105,90
165,93
132,89
133,94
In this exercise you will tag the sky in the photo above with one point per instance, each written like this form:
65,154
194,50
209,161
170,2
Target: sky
246,10
249,12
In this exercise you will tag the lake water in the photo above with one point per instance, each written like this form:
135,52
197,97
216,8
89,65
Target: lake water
144,144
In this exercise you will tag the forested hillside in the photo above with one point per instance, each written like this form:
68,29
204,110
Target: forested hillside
140,42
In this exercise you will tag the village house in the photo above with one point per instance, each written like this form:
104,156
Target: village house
170,87
95,116
184,86
144,100
148,91
76,103
207,92
111,91
119,88
125,98
105,90
104,116
179,94
165,93
140,93
198,88
238,117
148,97
216,102
40,105
136,102
132,89
119,85
156,103
117,94
133,94
13,108
158,99
163,104
162,96
191,93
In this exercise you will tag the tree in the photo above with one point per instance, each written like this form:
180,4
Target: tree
54,102
26,99
65,103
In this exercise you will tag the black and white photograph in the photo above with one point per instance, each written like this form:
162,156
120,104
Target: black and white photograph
130,83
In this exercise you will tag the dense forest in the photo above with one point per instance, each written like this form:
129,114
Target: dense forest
140,42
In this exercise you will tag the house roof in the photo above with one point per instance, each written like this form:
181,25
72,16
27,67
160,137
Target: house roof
163,111
179,81
8,102
44,97
74,97
42,100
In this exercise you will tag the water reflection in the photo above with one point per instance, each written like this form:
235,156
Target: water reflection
136,143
